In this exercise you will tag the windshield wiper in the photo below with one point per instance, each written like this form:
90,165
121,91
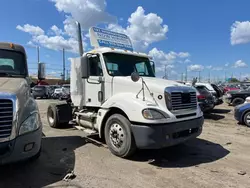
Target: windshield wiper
6,74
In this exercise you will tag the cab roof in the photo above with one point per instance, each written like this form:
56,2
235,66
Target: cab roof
12,46
120,51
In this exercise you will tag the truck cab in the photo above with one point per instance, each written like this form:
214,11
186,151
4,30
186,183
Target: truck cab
115,94
20,123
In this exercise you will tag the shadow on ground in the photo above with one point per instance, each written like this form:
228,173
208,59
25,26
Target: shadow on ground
192,153
221,111
56,160
213,116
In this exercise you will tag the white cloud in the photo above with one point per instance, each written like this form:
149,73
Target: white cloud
184,54
162,68
227,64
88,13
240,32
55,42
187,61
209,66
33,30
166,58
239,64
56,30
195,67
217,68
143,29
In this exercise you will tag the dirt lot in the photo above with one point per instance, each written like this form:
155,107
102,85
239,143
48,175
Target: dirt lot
220,157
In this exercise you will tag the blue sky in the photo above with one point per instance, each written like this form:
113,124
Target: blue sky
199,35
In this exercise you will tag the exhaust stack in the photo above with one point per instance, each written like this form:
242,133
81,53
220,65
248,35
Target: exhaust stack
79,33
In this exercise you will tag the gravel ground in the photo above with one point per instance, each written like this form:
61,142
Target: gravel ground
218,158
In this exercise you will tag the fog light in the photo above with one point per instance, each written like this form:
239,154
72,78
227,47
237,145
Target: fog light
28,147
167,137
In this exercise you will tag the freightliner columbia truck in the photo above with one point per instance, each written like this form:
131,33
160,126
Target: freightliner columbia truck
20,123
115,94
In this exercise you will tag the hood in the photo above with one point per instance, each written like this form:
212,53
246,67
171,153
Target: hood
154,84
17,86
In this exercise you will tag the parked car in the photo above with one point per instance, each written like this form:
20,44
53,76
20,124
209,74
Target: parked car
230,88
237,97
215,91
40,91
57,93
242,113
218,97
205,98
65,93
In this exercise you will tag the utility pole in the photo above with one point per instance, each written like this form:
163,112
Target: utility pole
186,76
38,54
67,77
182,76
209,76
225,76
63,65
199,76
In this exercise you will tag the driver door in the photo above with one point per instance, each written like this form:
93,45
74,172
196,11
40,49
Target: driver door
95,84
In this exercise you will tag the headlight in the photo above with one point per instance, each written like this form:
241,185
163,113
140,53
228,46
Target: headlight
152,114
30,124
229,95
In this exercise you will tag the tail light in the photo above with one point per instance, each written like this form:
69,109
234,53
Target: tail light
201,97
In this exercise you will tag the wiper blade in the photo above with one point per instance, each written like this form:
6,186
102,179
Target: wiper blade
5,74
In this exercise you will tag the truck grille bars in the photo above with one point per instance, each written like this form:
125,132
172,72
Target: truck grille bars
6,117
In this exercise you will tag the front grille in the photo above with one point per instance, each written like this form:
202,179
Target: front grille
6,117
183,101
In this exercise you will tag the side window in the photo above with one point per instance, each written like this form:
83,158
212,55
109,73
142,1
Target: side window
141,68
95,66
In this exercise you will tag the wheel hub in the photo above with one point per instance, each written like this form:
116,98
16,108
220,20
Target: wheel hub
51,116
117,135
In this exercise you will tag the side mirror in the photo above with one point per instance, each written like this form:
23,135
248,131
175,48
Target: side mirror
41,71
153,66
135,76
85,67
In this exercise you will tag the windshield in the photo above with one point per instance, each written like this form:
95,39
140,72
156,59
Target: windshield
12,63
125,65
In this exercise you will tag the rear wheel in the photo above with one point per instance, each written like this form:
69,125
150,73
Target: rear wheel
119,137
52,116
237,101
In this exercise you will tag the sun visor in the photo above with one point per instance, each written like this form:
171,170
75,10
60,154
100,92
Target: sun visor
105,38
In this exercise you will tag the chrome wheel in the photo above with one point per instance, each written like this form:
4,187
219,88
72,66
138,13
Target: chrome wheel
51,116
248,119
117,136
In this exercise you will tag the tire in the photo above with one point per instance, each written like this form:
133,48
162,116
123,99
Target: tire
237,101
246,119
52,116
121,125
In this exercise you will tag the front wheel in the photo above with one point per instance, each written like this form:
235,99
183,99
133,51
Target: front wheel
119,137
237,101
246,119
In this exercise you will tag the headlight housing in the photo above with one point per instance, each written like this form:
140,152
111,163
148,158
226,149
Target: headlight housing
32,123
152,114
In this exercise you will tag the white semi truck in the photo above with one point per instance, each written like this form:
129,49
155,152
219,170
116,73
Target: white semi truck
115,94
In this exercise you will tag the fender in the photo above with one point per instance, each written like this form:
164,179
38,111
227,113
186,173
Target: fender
132,107
30,107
